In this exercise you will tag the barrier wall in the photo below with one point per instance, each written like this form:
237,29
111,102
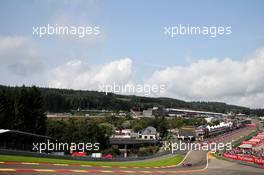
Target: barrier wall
245,158
116,159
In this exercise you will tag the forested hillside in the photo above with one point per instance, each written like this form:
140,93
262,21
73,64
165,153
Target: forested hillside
65,100
22,109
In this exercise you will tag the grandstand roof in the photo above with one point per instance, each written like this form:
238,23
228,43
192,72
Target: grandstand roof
2,131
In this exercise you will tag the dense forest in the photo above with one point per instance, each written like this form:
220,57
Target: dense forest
22,109
65,100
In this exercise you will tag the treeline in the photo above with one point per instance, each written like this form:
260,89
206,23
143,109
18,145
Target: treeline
22,108
65,100
81,131
99,129
222,108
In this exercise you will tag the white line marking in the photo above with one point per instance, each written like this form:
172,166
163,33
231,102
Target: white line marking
206,161
184,158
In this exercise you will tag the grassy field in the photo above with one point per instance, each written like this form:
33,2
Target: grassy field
173,160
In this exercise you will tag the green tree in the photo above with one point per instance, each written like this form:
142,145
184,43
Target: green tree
37,110
6,111
22,109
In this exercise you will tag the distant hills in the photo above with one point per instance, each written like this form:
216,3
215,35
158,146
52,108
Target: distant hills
65,100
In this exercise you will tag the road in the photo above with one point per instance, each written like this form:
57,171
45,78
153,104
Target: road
199,159
201,164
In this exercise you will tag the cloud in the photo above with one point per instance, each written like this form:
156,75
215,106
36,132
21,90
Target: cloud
79,75
228,80
10,43
19,56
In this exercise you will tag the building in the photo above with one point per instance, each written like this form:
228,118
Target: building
219,129
207,131
148,113
128,147
61,116
122,133
136,113
186,133
20,140
149,133
127,141
201,133
193,113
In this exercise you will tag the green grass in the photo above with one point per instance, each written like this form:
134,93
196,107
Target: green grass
173,160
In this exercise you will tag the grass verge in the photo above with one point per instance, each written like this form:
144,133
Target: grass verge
173,160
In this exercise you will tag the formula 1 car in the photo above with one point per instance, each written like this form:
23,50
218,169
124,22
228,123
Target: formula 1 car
186,164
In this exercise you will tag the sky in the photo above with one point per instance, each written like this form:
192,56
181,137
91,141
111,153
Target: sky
132,47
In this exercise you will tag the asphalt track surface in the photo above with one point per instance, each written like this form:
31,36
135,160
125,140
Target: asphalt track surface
202,163
198,159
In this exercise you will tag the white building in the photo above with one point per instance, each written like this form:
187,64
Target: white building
147,113
149,133
124,134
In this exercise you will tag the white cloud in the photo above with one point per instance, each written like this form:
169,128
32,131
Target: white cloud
79,75
9,43
236,82
232,81
19,56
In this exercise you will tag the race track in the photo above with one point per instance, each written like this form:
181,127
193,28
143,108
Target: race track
202,163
